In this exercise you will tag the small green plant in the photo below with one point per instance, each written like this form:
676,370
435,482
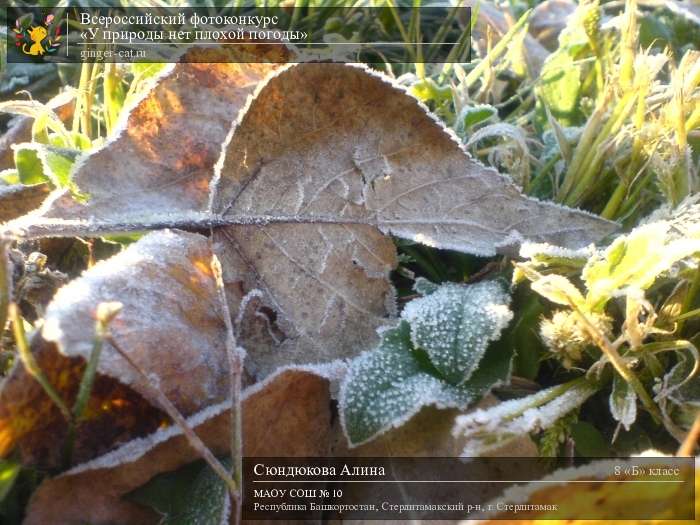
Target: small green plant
437,355
614,323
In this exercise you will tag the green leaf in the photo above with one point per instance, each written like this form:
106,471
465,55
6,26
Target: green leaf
558,289
386,386
28,165
523,336
472,115
589,441
623,402
208,502
10,176
456,323
191,494
560,84
9,471
634,261
428,90
144,70
678,385
38,163
58,164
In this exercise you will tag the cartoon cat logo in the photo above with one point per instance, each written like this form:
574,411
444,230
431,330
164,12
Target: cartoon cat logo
37,40
37,35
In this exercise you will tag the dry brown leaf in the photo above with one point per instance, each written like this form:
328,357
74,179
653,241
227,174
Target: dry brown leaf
162,156
18,199
170,324
549,19
293,403
319,144
170,327
31,421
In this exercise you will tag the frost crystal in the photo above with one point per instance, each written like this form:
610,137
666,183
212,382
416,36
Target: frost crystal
424,287
456,323
441,340
492,428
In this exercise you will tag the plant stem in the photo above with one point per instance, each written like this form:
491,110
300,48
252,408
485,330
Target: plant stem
497,50
110,83
618,363
88,377
194,440
5,283
629,45
30,363
613,205
689,300
593,158
235,359
79,99
89,96
588,136
687,448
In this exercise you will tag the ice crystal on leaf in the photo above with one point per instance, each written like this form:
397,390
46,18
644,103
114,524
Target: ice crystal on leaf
435,356
492,428
455,325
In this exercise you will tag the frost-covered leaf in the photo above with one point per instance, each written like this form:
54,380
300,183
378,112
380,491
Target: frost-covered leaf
292,403
547,255
546,259
386,386
471,116
164,150
312,172
558,289
303,154
623,402
635,261
455,324
207,503
18,199
678,394
423,286
679,385
492,428
170,323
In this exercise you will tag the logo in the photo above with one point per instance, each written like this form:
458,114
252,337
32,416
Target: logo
37,40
